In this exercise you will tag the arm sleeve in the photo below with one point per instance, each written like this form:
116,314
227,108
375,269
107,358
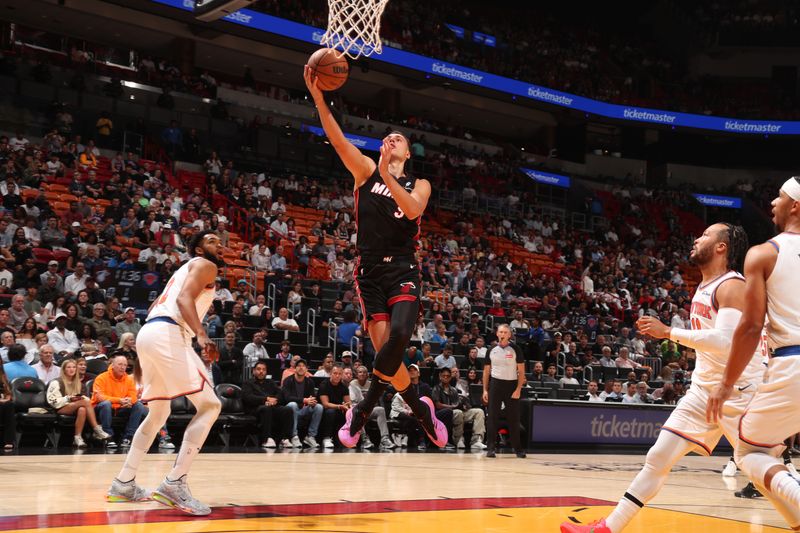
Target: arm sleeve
715,340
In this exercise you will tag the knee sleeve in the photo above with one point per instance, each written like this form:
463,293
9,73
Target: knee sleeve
390,356
755,462
668,450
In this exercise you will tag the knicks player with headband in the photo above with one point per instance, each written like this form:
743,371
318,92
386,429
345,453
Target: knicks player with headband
171,368
716,308
388,211
771,290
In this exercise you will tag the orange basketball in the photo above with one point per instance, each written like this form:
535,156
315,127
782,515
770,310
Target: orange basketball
331,68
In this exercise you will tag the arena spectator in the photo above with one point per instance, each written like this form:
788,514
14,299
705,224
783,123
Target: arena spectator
255,350
623,361
64,341
127,347
445,359
16,313
7,340
327,367
447,397
8,421
299,394
358,388
103,329
46,369
284,322
65,394
114,394
231,359
334,396
264,400
129,324
16,366
569,377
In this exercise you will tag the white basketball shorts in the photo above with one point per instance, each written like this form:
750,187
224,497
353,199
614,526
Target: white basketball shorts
170,366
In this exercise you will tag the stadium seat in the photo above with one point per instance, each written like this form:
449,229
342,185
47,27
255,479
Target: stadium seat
31,393
232,415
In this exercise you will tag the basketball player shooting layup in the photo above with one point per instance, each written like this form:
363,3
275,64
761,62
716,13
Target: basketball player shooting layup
171,368
716,308
772,270
388,210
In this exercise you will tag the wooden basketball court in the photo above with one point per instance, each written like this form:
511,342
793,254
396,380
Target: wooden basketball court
374,492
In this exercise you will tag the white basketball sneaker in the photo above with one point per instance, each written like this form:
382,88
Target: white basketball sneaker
730,469
177,494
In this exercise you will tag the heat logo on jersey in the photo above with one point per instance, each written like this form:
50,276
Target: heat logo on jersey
382,189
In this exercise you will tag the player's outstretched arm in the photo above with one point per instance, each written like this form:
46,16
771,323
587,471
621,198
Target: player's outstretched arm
201,274
758,266
359,165
730,299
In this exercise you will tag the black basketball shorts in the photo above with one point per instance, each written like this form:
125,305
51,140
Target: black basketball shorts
381,283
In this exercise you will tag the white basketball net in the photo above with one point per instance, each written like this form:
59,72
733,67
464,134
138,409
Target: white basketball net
354,26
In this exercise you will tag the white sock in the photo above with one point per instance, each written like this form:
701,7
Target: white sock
668,450
158,412
789,513
208,407
786,487
622,515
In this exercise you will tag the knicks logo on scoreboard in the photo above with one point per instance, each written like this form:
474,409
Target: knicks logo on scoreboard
702,310
150,279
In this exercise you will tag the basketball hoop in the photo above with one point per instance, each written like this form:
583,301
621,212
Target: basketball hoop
354,26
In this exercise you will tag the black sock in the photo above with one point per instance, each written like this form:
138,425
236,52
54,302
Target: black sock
420,410
364,408
376,389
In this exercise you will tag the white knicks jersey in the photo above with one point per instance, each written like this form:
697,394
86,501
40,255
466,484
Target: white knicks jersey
710,367
167,302
783,300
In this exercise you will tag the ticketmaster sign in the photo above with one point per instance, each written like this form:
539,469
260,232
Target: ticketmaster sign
731,202
359,141
548,178
585,423
294,30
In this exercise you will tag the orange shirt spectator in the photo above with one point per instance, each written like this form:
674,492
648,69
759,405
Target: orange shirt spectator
114,385
88,160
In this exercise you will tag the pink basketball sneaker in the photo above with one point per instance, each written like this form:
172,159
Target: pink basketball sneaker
598,526
440,439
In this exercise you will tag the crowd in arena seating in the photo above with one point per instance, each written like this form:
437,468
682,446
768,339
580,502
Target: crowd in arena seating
573,321
70,214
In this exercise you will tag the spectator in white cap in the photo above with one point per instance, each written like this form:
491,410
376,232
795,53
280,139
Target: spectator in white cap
52,272
347,359
129,324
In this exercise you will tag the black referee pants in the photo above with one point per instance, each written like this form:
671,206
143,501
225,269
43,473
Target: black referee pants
500,391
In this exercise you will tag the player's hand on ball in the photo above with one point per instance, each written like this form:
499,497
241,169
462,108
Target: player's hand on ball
653,327
311,82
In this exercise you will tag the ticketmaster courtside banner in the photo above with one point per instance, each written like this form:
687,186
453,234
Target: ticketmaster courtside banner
573,422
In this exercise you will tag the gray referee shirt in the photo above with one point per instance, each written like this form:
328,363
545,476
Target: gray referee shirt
504,361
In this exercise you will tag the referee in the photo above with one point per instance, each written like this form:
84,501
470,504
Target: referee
503,377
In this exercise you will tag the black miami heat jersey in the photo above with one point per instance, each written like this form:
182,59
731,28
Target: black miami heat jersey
383,229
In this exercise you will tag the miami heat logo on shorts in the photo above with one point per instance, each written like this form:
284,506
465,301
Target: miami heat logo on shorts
406,287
